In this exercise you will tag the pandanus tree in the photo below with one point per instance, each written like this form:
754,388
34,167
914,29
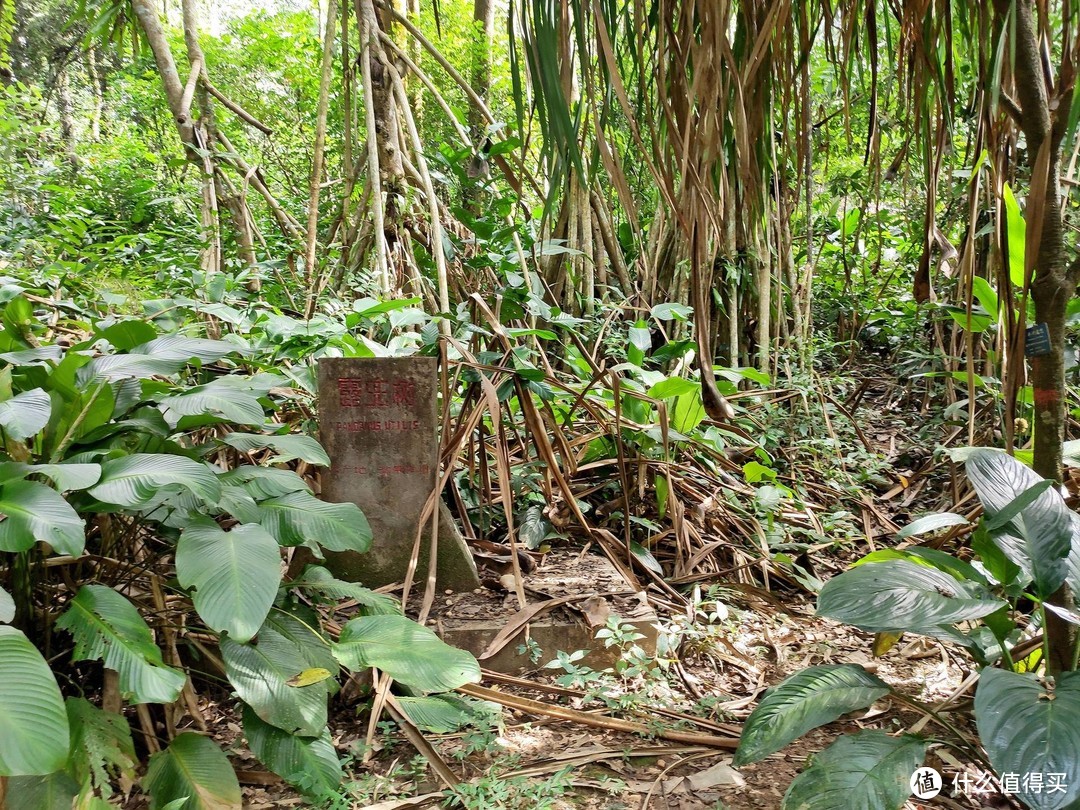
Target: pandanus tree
717,101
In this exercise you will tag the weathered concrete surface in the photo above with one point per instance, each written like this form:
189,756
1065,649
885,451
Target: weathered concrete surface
472,621
379,425
551,635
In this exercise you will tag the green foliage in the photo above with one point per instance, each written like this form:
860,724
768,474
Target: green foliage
406,652
106,451
865,771
1026,545
1028,727
195,771
809,698
32,718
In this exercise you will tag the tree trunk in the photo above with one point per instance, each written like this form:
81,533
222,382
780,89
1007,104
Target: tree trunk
480,78
1052,285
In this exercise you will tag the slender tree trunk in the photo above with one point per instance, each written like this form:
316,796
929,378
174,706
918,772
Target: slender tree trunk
147,15
1052,285
310,280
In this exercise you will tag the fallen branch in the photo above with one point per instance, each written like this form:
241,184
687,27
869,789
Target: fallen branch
530,706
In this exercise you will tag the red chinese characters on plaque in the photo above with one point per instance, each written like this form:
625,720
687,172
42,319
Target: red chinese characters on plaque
357,392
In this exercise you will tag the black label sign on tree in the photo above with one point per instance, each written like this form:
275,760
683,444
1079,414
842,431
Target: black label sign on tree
1037,340
378,421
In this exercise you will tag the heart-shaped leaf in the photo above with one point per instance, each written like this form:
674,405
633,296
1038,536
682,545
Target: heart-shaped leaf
235,575
1028,728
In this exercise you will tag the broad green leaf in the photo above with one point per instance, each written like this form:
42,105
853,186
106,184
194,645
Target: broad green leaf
668,311
101,745
34,511
286,646
68,477
931,523
7,607
110,367
985,295
1028,728
29,357
902,595
301,518
687,413
25,414
134,480
319,581
235,575
194,769
808,699
108,627
640,342
126,335
443,714
264,482
674,387
299,628
1038,536
405,651
53,792
260,673
230,404
309,763
1016,229
33,725
287,447
177,348
865,771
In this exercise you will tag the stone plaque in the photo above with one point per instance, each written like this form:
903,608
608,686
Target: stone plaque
378,422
